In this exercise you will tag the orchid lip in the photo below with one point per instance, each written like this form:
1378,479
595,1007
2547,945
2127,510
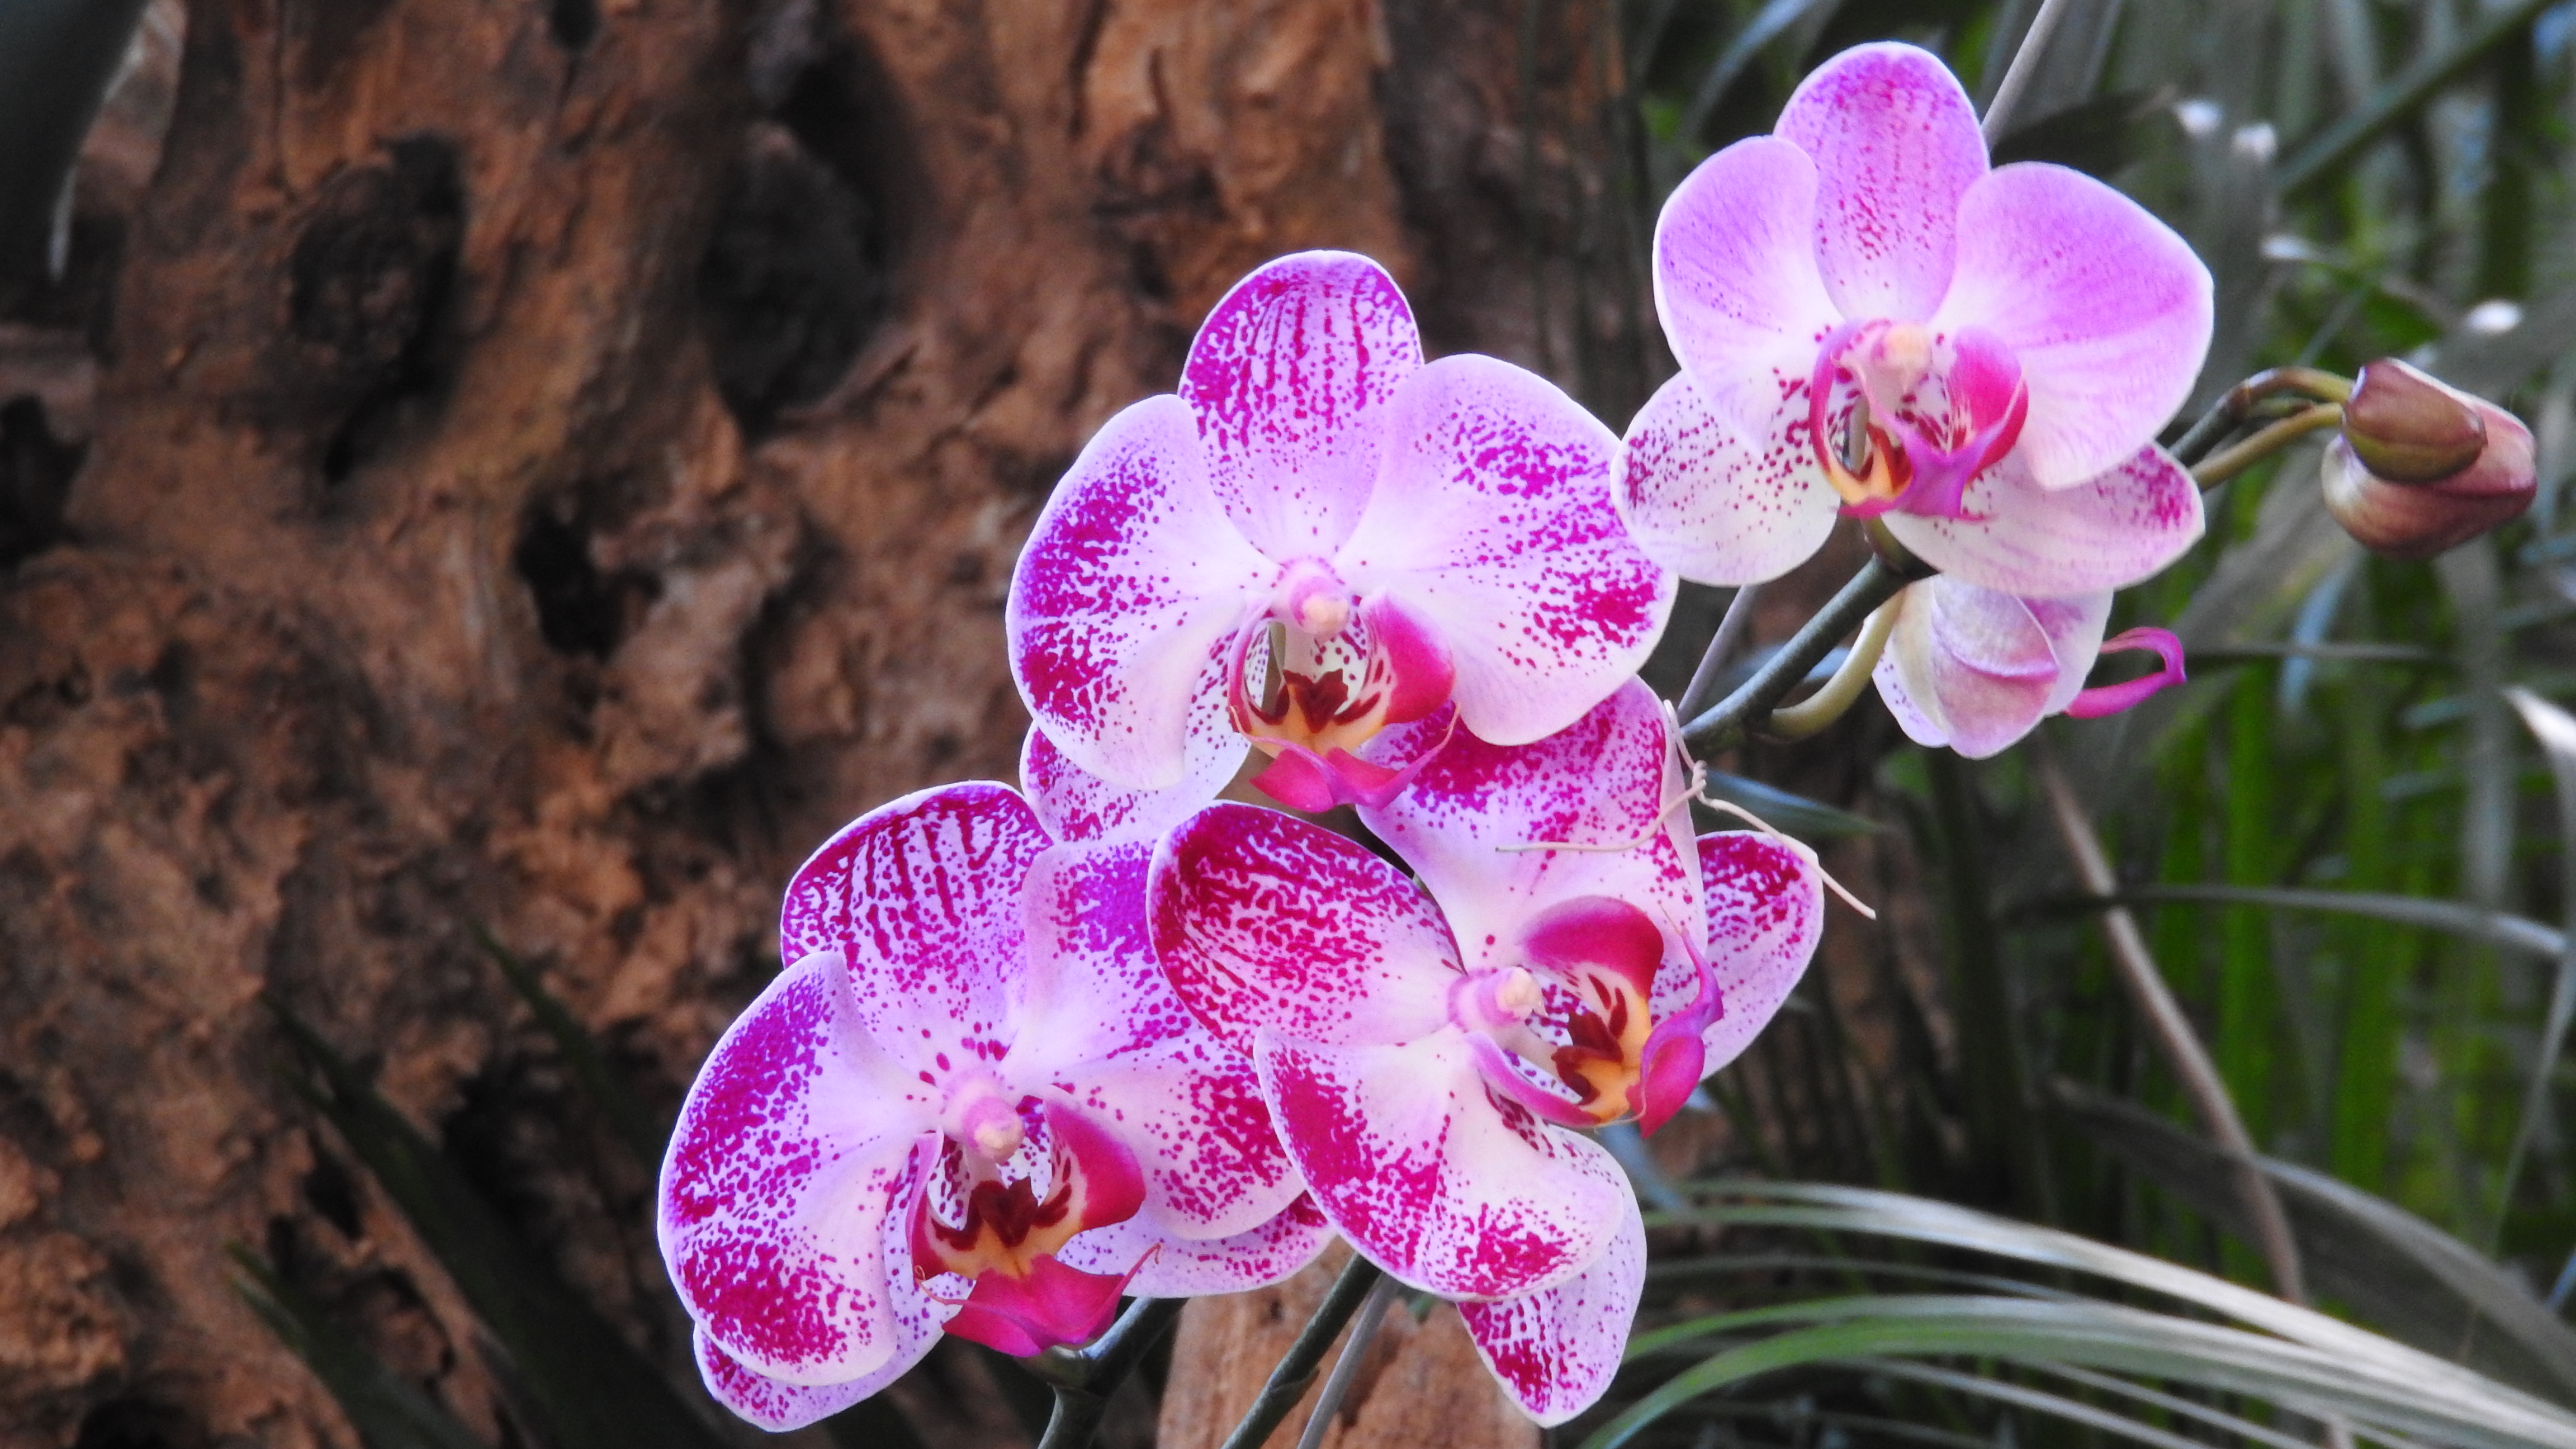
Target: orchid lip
1930,413
1616,1060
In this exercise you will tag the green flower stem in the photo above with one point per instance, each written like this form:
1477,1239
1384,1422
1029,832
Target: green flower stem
2237,405
1817,711
1725,724
1084,1379
2229,462
1346,1369
1297,1368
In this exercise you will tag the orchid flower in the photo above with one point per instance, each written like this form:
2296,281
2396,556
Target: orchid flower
1976,670
1322,536
971,1104
1872,323
1571,957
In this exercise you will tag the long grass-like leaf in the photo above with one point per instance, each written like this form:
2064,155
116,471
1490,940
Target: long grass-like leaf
387,1411
2419,1284
2555,728
2403,94
2456,1407
587,1388
2494,928
634,1129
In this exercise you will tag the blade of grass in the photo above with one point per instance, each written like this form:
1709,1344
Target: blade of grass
587,1388
2403,94
2556,731
387,1411
634,1129
2493,928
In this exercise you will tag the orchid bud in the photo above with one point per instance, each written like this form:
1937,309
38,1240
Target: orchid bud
2416,520
2407,427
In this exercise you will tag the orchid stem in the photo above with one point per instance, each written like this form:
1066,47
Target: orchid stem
1346,1369
1297,1367
1731,629
1819,710
2232,409
1084,1379
2229,462
1725,724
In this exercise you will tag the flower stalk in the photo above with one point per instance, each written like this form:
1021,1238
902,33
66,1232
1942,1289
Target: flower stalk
1297,1367
1726,723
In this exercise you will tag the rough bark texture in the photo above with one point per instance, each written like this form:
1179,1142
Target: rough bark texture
550,461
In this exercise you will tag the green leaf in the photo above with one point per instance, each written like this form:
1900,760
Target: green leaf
2494,928
2454,1408
2423,1286
2402,95
1795,814
634,1128
387,1411
586,1387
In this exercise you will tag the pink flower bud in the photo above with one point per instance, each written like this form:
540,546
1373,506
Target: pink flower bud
2407,427
2416,520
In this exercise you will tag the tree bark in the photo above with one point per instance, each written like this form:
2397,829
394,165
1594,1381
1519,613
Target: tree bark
550,462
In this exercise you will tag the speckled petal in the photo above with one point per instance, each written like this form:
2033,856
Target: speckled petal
777,1405
2122,526
1556,1350
1102,1027
2107,309
1289,379
1132,577
1736,283
793,1150
1439,1182
1716,504
1182,1267
1076,805
1601,782
1896,146
923,897
1492,524
1262,920
1766,914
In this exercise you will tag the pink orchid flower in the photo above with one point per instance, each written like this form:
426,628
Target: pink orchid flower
1871,322
1426,1048
972,1104
1976,670
1322,536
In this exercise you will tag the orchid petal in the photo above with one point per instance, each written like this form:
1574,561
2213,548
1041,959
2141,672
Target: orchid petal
1556,1350
1716,503
777,1405
1492,525
1976,661
923,896
1440,1183
793,1147
1611,777
1262,920
1889,675
2108,311
2074,628
1075,804
2111,531
1766,913
1132,579
1896,145
1736,281
1289,379
1169,1265
1102,1024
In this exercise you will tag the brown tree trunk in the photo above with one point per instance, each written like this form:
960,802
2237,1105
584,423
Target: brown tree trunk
550,461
